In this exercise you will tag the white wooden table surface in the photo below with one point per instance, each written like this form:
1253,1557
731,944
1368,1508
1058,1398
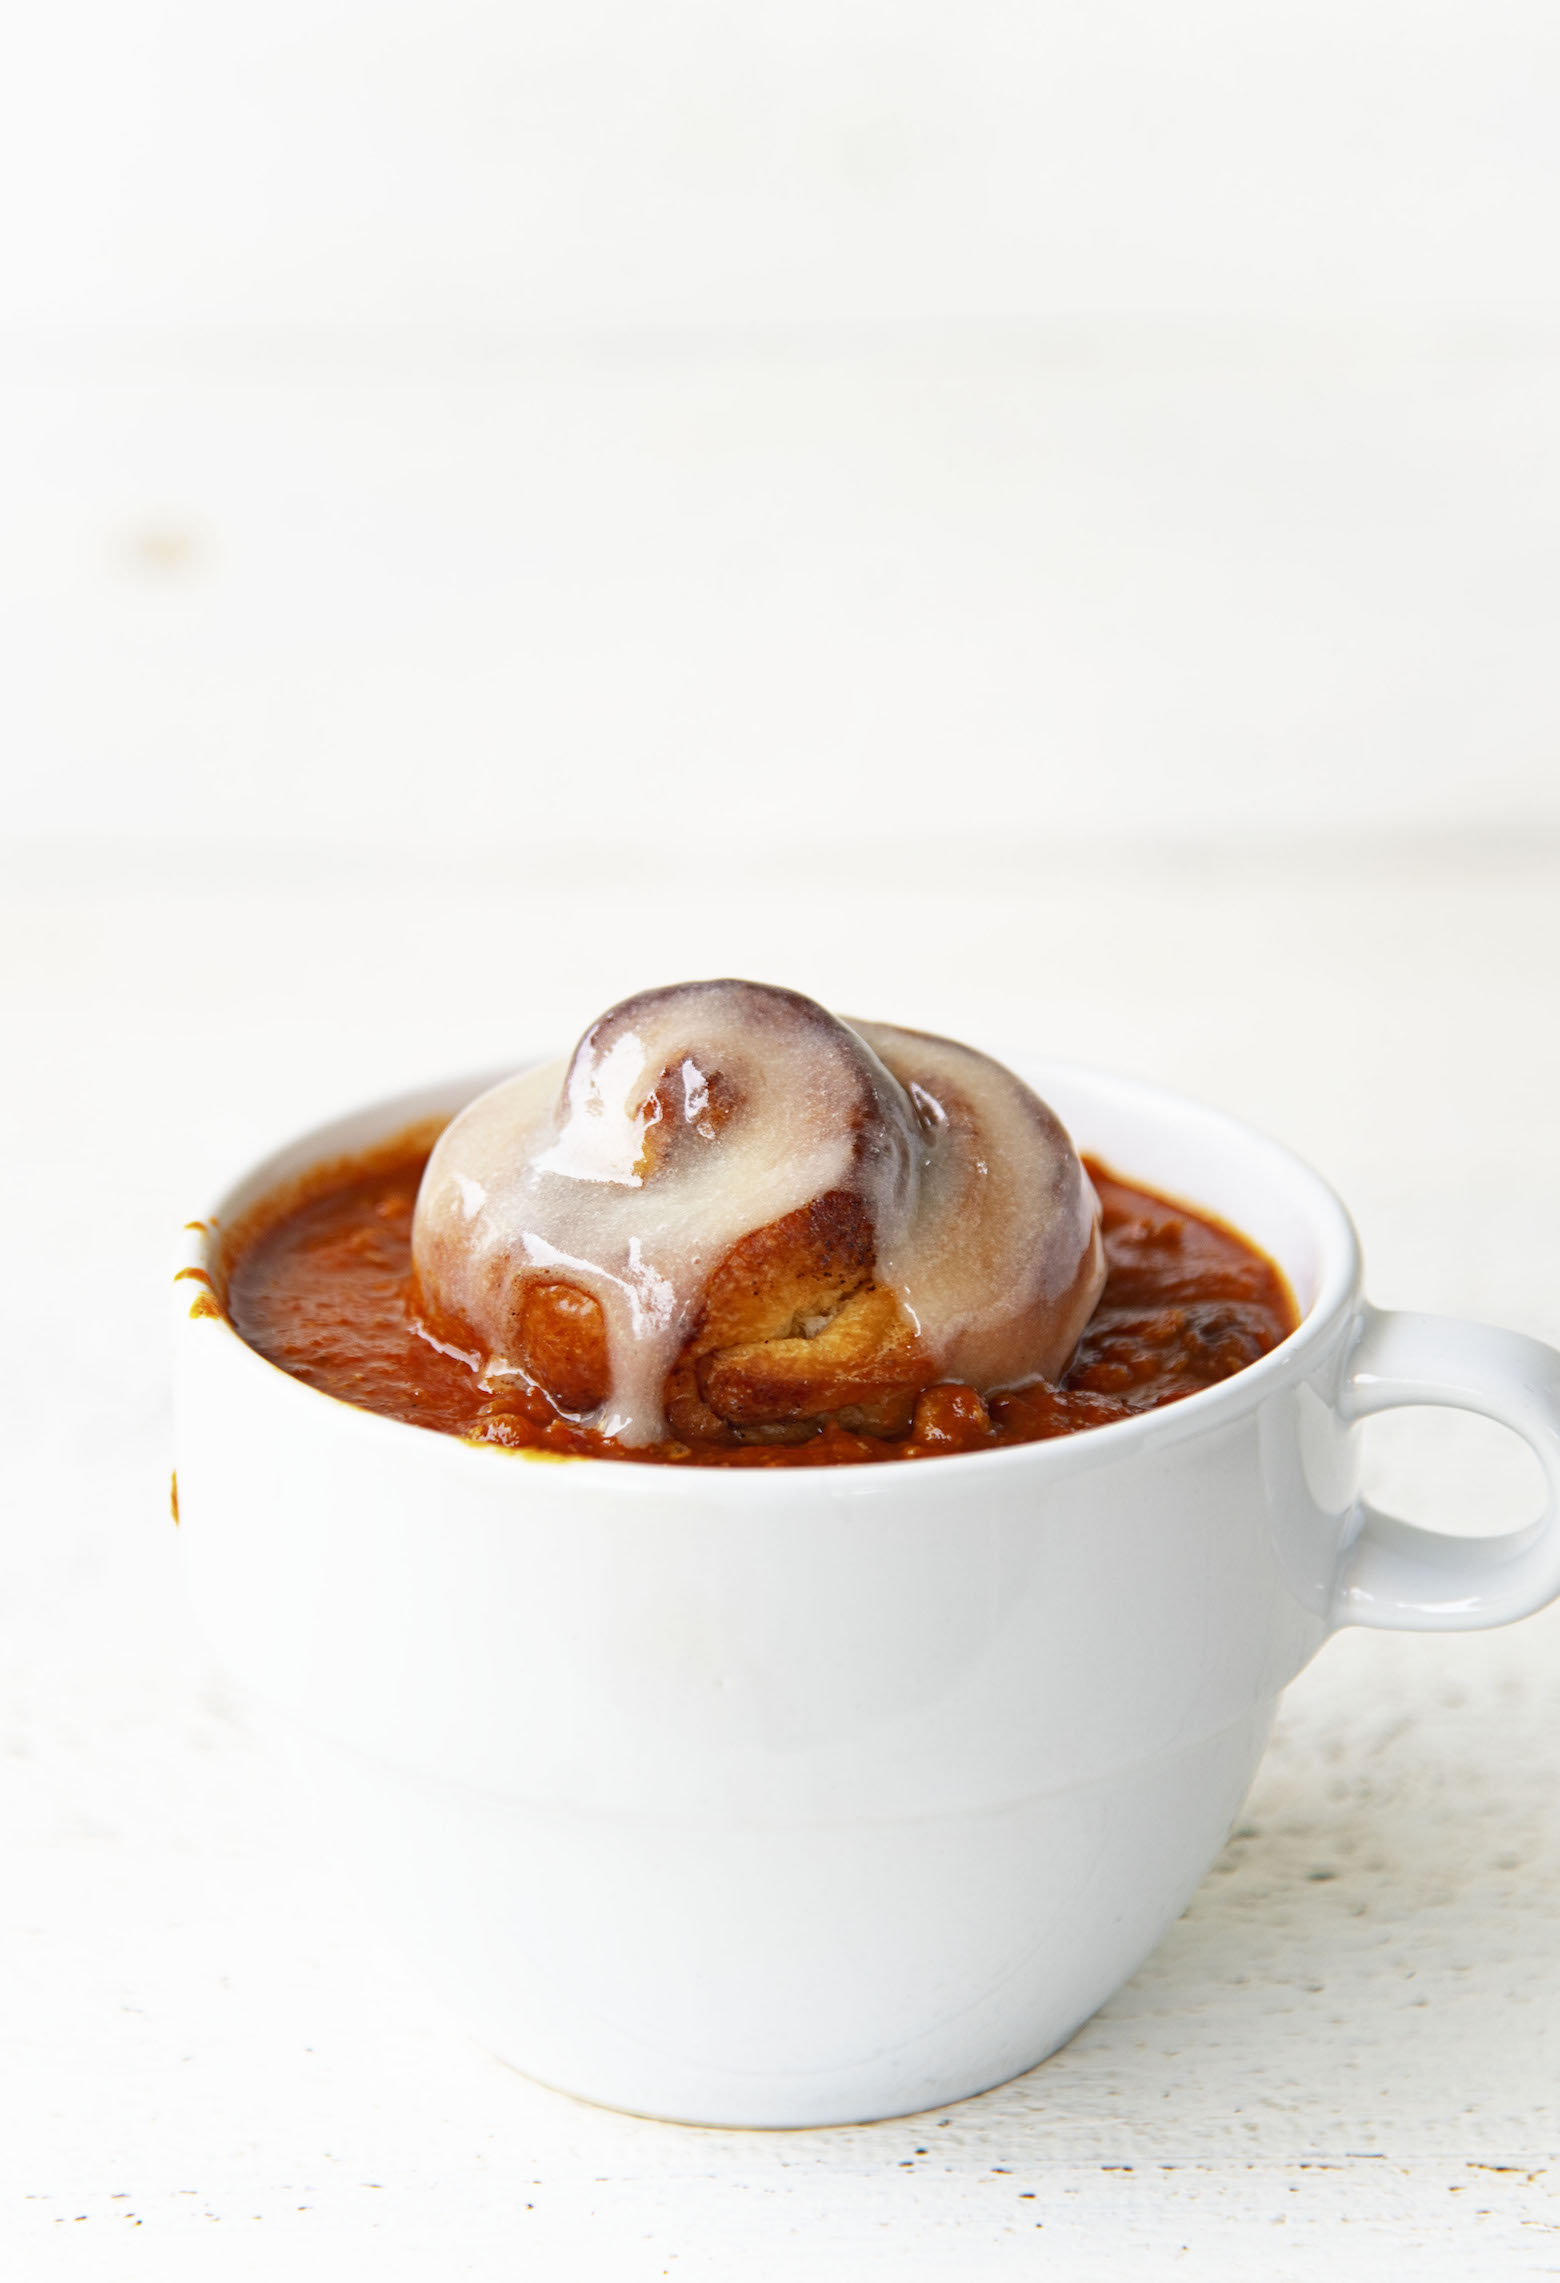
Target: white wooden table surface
1349,2049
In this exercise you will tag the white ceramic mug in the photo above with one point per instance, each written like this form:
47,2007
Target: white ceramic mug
817,1795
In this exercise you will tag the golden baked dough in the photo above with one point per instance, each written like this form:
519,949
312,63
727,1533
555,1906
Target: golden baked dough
793,1331
732,1217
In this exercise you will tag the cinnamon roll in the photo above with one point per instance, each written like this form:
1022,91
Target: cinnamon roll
731,1216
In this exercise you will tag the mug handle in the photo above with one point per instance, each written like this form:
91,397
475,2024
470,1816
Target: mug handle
1395,1575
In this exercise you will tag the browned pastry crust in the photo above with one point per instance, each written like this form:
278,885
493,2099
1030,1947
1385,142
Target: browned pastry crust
563,1345
816,1316
793,1331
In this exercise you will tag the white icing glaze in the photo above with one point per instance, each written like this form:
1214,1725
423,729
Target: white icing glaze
984,1222
554,1154
1002,1264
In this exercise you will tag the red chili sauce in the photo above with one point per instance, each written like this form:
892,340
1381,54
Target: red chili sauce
319,1281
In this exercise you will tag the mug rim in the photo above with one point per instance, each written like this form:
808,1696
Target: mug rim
1175,1422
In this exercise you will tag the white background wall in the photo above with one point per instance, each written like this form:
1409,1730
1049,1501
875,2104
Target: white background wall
424,423
335,163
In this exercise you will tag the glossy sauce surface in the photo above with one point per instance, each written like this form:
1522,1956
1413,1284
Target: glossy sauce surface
318,1282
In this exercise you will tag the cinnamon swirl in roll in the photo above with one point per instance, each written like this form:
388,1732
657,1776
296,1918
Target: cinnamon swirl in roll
732,1217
